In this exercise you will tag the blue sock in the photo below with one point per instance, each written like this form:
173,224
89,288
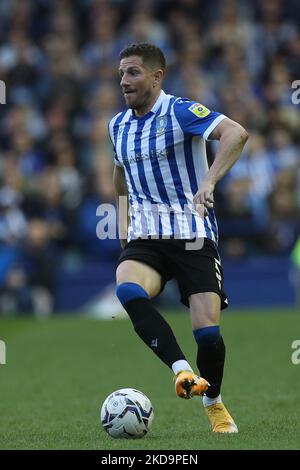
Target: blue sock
208,334
130,291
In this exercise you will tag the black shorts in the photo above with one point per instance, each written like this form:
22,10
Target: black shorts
195,270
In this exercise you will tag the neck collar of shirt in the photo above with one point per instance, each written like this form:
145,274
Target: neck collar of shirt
154,108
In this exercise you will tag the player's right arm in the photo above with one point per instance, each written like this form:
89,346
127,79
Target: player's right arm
121,197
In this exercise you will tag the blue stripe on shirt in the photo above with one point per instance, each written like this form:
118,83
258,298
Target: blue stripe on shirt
125,160
169,141
212,218
139,160
155,164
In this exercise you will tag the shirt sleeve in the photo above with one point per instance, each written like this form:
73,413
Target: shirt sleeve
195,119
116,160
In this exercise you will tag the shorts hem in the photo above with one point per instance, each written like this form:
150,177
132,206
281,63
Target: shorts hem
184,298
164,278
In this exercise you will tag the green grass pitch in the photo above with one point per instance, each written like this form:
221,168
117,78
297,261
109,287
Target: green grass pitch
59,371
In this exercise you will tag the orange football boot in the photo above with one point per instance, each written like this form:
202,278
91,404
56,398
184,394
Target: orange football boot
188,384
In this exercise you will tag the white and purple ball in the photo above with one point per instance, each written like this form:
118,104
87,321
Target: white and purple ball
127,413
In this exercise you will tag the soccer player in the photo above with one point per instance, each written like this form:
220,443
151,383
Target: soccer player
161,166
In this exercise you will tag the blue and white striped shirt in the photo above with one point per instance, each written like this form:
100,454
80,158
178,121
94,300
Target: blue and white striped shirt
164,158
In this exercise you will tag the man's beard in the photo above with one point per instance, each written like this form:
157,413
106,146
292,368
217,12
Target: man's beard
142,103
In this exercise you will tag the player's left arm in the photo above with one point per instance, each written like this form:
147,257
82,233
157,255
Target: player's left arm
232,138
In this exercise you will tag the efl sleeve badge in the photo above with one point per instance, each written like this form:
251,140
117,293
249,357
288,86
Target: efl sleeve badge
199,110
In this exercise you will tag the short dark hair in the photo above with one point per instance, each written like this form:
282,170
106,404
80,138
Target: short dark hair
150,54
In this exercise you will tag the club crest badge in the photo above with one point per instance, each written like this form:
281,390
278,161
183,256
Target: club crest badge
161,125
120,131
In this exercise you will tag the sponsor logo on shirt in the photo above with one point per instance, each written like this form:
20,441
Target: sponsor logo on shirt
135,158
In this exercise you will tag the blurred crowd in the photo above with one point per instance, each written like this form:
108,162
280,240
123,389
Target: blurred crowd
59,58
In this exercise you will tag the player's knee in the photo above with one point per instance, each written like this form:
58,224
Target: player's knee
128,272
203,321
204,310
127,291
142,275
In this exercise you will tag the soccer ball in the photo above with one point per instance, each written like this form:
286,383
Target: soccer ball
127,413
